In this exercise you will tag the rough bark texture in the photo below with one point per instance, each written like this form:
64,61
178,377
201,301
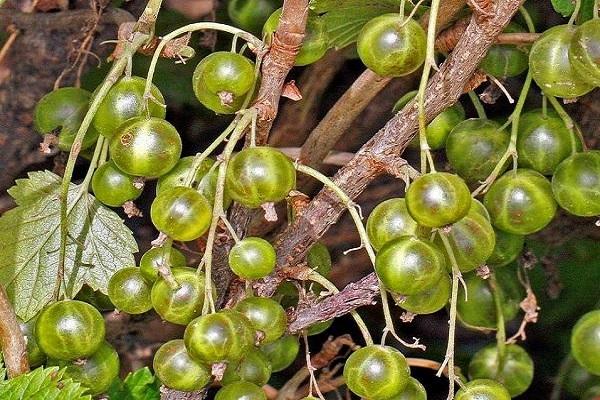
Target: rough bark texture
25,82
287,41
14,346
443,90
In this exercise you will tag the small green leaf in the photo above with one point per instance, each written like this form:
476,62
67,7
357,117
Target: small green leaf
42,384
139,385
345,18
98,243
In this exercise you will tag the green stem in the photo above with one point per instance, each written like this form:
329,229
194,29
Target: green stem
164,268
94,163
449,359
104,154
568,121
364,238
511,151
596,7
501,329
218,213
429,62
115,72
199,157
320,279
478,105
199,26
401,13
528,20
544,105
575,12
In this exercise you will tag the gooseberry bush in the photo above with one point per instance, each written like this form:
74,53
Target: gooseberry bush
449,243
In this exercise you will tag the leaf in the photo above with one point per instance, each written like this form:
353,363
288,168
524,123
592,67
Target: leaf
344,19
563,7
139,385
587,11
2,369
98,243
42,384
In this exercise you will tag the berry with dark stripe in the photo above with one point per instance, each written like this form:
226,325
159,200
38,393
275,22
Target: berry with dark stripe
129,291
177,370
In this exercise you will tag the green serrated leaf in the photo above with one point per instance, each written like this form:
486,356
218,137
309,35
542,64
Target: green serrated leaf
139,385
563,7
42,384
98,243
38,184
345,18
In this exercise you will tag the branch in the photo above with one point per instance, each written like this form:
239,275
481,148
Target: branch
14,346
354,295
388,144
341,116
49,21
278,62
297,118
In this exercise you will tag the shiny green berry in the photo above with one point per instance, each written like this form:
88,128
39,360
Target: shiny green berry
391,220
414,390
205,180
225,336
472,240
147,147
96,372
258,175
62,111
177,370
156,257
551,67
376,372
282,352
478,309
505,60
113,187
521,202
69,329
438,199
483,389
125,100
181,213
583,51
507,249
223,80
585,342
516,373
439,128
129,291
252,258
240,391
430,300
544,141
182,303
576,184
315,43
254,368
391,46
475,146
266,315
409,265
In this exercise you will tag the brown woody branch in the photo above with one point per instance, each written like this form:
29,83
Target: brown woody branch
14,346
443,90
354,295
341,116
278,62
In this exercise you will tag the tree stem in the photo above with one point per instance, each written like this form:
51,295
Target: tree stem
14,346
